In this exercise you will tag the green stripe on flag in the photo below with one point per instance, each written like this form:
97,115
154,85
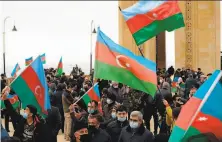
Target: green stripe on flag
25,94
86,99
171,23
192,132
15,105
59,72
109,72
177,134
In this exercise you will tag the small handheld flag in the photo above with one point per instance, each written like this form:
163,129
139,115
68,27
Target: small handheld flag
60,68
28,61
43,58
15,70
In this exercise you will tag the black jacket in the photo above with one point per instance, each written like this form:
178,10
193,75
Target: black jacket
114,129
58,99
117,92
100,136
54,121
142,135
41,132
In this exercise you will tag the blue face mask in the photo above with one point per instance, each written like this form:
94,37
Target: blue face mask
113,115
134,125
121,119
24,115
91,111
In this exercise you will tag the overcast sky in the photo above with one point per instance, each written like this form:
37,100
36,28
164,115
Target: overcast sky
59,28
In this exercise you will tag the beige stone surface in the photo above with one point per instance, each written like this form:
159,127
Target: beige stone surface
205,25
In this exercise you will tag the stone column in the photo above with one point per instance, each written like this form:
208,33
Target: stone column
198,44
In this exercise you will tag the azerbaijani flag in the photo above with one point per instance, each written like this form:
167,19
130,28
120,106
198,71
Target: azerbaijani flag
174,84
92,94
43,58
28,61
13,100
116,63
147,19
15,70
60,68
202,113
31,87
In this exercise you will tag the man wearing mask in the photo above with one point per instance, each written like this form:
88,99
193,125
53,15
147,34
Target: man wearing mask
29,128
114,128
114,89
111,103
95,133
136,132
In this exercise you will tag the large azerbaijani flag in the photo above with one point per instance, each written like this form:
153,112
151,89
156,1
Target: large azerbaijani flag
147,19
31,87
28,61
60,68
202,113
43,58
114,62
15,70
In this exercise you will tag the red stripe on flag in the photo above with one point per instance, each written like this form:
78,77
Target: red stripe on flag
162,12
206,123
93,96
187,112
32,80
60,65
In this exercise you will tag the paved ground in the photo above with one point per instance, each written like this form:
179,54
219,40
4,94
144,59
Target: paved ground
60,137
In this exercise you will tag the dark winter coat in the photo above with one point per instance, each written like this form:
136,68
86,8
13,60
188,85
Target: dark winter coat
114,129
54,122
142,135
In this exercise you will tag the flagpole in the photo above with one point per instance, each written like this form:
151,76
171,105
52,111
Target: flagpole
85,93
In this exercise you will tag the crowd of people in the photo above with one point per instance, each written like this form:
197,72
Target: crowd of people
122,115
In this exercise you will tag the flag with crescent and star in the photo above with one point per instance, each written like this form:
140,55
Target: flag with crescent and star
202,113
31,87
147,18
116,63
15,70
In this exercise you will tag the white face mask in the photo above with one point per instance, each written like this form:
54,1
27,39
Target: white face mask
115,86
109,101
161,81
134,125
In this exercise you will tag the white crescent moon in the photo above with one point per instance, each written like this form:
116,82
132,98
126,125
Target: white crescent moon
118,62
36,88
